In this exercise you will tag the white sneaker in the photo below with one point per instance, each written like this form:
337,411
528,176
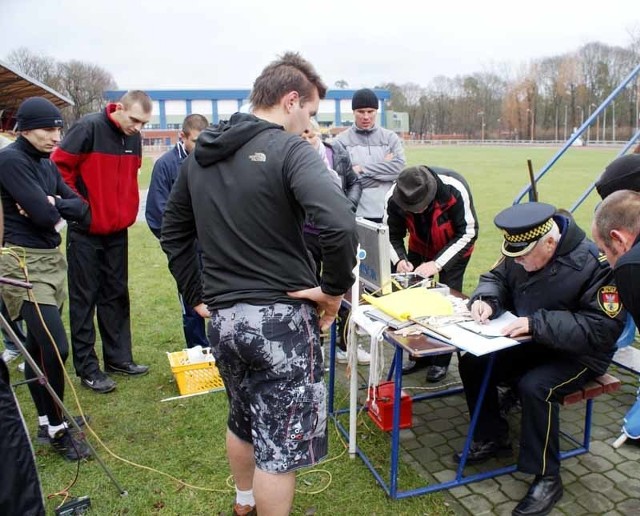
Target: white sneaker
341,356
21,367
9,355
364,358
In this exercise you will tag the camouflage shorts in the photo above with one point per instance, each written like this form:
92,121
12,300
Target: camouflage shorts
270,360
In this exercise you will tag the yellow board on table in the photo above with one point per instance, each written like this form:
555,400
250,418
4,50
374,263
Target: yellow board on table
412,303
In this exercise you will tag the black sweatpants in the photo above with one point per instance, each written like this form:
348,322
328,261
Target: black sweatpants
41,349
98,284
543,377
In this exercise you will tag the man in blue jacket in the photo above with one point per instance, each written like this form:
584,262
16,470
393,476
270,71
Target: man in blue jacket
164,174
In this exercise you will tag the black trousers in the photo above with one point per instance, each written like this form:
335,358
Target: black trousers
98,285
452,276
20,491
39,346
543,377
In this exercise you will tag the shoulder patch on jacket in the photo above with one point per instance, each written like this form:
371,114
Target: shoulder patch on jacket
609,300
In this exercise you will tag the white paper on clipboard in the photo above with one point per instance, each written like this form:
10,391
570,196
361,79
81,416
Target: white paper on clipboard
492,328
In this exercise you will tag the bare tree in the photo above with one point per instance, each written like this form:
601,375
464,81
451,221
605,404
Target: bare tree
84,83
38,67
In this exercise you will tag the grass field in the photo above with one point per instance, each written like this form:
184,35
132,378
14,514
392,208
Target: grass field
186,438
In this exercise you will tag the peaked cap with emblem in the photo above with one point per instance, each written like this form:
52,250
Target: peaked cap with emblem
523,225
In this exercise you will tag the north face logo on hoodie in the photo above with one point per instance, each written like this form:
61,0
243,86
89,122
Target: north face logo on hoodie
258,156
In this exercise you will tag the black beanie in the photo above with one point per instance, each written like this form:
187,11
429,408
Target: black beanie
364,98
37,113
622,173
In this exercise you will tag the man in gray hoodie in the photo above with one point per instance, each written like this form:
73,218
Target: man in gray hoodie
376,153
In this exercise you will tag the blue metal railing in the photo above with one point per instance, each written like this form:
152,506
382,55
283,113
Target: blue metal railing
528,190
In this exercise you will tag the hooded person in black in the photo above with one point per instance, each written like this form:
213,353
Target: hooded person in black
245,192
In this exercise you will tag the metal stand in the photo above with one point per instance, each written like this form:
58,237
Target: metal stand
42,380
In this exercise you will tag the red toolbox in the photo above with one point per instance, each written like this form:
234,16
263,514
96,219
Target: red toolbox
381,412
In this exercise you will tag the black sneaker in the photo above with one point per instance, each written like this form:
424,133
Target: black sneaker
128,368
99,382
43,430
480,451
69,446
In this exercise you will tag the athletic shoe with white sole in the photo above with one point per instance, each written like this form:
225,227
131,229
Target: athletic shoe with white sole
364,358
9,355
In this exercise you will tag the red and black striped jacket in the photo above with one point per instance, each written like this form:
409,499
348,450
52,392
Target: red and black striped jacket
444,232
99,162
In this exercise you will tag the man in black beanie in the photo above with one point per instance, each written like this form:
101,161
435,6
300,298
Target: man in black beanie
35,200
376,154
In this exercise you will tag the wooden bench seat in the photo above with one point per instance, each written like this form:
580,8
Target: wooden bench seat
594,388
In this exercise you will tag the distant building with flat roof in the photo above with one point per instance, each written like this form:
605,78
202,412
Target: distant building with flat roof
171,106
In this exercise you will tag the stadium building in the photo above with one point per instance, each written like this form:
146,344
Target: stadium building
171,106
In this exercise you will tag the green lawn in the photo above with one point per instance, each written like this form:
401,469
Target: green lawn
185,438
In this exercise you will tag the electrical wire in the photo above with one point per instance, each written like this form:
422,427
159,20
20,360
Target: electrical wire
20,255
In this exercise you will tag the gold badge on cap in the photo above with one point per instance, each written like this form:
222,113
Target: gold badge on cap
609,300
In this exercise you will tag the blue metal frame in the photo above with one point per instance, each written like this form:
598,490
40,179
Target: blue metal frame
528,189
395,373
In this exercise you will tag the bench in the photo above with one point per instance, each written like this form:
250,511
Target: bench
601,385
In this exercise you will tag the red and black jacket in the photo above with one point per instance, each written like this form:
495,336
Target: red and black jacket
99,162
444,232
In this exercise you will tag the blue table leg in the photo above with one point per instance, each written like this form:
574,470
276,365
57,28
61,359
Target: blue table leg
395,431
474,418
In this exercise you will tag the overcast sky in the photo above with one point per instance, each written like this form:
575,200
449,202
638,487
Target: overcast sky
194,44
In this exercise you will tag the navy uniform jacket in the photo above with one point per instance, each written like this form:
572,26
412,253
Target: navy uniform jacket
571,303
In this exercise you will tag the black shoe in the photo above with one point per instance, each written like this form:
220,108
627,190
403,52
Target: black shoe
128,368
43,430
67,445
508,401
99,382
481,451
541,497
413,366
436,373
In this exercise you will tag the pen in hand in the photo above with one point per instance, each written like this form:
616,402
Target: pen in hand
482,311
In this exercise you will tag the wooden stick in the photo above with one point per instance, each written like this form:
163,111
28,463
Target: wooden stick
532,180
193,394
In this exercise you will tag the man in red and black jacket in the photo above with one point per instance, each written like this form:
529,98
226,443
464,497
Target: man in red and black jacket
434,206
99,158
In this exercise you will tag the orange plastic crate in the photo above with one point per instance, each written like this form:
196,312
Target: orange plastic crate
193,378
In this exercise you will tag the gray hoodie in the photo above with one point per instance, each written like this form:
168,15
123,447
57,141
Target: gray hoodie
368,148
